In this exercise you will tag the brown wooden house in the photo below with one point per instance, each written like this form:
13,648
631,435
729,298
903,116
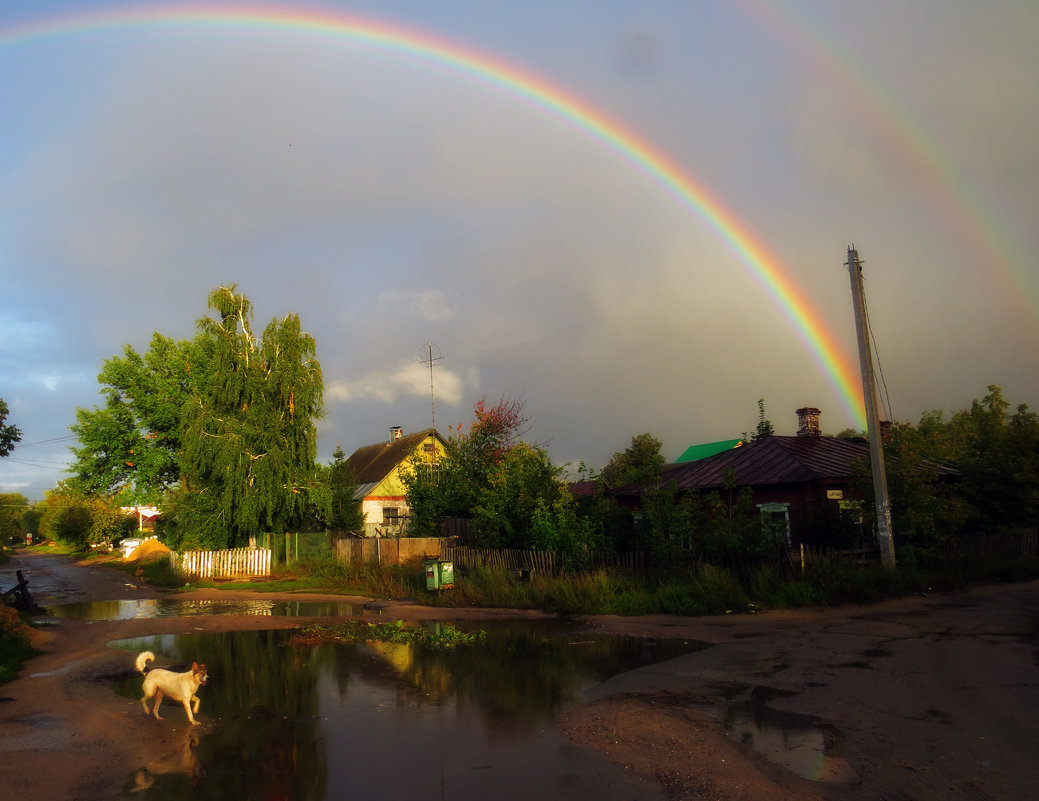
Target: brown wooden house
807,483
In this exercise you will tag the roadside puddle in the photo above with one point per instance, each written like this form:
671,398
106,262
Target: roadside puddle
803,744
388,720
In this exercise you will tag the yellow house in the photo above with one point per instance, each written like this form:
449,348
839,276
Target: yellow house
378,469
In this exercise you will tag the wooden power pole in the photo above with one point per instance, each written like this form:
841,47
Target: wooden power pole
869,392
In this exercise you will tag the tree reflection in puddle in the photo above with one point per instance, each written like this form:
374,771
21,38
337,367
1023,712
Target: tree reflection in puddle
378,720
164,607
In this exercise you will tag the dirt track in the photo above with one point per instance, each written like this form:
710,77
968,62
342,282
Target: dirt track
923,698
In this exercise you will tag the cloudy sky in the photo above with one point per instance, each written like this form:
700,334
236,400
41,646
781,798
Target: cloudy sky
393,199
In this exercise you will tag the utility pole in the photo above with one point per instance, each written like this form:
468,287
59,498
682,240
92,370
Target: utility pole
869,392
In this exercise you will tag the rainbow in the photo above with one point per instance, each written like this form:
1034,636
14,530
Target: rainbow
427,49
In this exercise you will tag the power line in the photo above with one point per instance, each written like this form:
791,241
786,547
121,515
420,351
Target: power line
886,399
46,463
46,441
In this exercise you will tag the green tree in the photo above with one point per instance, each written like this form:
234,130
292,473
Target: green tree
557,525
641,462
727,529
9,434
131,446
764,428
518,484
31,521
66,515
998,454
345,513
926,512
13,506
249,435
489,475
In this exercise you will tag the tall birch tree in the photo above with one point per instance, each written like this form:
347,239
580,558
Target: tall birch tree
249,435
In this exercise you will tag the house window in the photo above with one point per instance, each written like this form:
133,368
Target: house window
775,520
851,512
429,447
391,515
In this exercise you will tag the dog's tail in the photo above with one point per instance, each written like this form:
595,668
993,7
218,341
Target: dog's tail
143,658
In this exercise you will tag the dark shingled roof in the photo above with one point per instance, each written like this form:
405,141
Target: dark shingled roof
776,460
773,460
372,463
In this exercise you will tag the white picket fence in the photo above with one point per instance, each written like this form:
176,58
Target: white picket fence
233,563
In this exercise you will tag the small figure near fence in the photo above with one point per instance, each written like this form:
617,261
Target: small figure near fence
140,575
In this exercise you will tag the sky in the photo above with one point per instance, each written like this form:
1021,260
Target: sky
632,217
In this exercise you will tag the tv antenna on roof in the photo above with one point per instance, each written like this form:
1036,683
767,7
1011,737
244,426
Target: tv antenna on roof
432,359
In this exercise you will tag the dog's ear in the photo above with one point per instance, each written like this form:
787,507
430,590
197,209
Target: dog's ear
194,665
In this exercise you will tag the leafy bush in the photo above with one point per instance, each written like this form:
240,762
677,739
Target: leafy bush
718,591
15,643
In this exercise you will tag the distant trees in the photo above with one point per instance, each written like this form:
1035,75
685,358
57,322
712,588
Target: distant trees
9,434
640,462
81,519
13,506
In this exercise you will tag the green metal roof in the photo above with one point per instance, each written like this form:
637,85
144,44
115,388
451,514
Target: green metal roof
696,452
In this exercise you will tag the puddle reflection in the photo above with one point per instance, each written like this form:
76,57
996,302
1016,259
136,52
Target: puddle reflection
385,721
163,607
802,744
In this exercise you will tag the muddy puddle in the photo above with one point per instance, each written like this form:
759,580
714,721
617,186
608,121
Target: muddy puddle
803,744
387,721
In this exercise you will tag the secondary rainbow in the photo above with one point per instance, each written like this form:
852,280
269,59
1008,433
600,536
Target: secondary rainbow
427,49
806,35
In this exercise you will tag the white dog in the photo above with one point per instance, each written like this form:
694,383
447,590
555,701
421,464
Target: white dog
178,686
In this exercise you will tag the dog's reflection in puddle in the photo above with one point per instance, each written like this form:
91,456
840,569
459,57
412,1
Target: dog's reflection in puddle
180,759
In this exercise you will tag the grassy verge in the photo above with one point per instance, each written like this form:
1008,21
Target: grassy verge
705,591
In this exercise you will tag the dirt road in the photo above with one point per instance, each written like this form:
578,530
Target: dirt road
921,699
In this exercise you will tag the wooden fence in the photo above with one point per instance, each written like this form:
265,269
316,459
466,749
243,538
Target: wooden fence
1022,542
390,550
233,563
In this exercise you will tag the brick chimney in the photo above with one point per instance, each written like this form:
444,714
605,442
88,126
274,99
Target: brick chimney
808,422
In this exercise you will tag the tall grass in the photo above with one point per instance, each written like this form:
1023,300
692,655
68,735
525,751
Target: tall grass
703,590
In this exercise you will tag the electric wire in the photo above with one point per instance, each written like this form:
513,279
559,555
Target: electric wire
885,399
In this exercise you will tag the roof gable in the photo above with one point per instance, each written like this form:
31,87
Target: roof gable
372,463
